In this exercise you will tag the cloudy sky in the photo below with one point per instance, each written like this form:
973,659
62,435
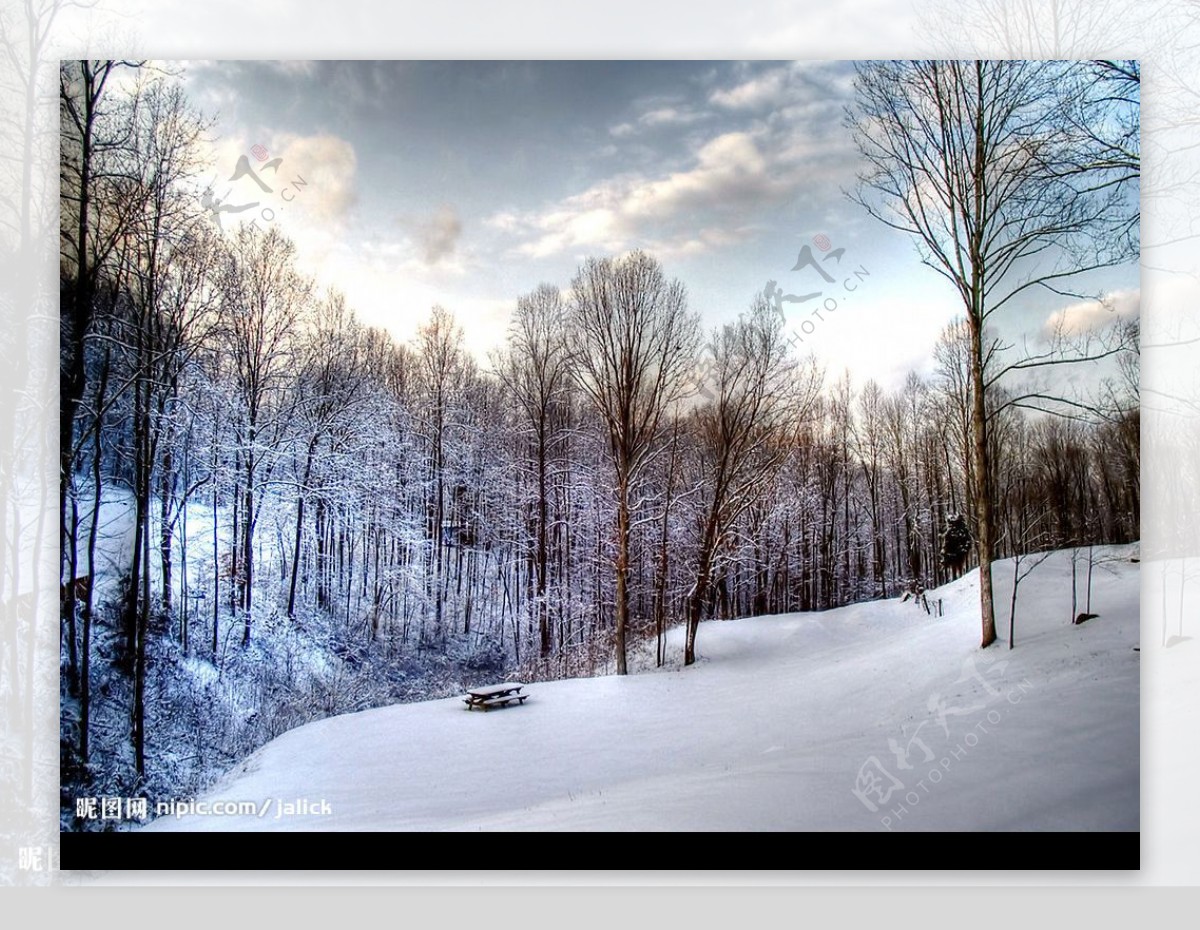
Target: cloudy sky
469,183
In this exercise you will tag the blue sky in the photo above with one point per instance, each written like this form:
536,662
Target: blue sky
469,183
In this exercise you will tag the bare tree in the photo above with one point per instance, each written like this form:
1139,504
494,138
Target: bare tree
331,377
536,373
743,434
952,382
868,447
902,415
1025,527
983,163
635,347
264,298
122,246
445,371
100,201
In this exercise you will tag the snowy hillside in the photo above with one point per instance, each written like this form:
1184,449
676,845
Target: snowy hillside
869,717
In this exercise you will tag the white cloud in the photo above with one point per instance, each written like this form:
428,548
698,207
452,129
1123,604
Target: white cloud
1090,315
656,113
705,240
758,92
729,166
779,140
329,166
731,176
669,116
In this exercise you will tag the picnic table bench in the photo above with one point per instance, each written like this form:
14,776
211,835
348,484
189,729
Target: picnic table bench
490,696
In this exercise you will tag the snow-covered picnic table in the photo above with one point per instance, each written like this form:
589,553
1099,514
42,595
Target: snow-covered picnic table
490,696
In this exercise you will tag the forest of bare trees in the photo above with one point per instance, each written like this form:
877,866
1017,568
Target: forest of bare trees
271,512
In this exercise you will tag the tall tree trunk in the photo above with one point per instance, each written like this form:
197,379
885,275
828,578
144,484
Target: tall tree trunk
77,322
291,604
983,489
622,571
439,519
543,607
322,553
247,567
141,585
975,317
129,606
216,552
695,608
1091,564
70,598
166,492
89,590
1012,607
700,589
663,567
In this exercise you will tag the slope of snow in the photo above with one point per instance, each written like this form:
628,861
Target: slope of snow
794,722
1172,710
114,538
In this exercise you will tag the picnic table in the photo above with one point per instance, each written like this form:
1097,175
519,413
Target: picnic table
490,696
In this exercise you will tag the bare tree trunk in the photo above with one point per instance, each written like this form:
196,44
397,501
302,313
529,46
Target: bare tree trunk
542,558
184,587
1091,564
696,598
983,491
983,484
291,604
166,491
70,596
247,567
89,591
1074,585
216,595
140,578
622,570
1012,607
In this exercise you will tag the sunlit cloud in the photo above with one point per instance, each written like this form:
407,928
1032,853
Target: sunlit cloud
757,92
329,166
732,175
1090,315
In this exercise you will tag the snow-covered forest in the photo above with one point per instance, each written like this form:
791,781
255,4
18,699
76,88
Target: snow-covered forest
273,512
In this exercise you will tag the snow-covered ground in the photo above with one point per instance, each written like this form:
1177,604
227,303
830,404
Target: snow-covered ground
1171,754
114,538
870,717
